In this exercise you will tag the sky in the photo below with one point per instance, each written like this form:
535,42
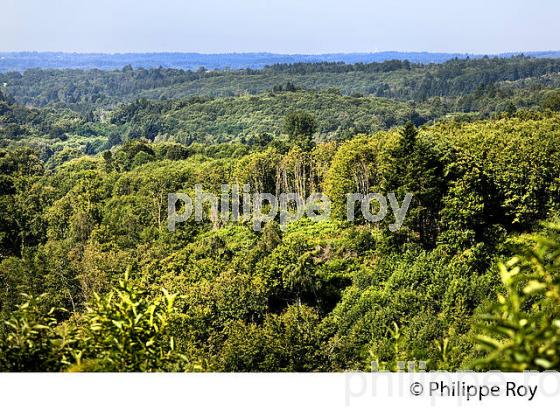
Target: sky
279,26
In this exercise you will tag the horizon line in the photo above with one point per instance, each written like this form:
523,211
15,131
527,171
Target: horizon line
281,53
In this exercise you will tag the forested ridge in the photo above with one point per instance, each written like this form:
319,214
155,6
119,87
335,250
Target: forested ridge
87,89
91,279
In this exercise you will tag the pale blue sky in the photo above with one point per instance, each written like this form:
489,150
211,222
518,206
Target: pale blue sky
281,26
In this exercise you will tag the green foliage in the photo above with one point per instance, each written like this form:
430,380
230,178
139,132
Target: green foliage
83,197
126,330
522,330
396,292
300,127
301,115
415,167
552,101
354,168
289,342
31,340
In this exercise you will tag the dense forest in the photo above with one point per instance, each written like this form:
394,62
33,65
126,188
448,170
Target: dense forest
91,279
457,79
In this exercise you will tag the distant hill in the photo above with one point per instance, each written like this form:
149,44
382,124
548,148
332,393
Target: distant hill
85,90
20,61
